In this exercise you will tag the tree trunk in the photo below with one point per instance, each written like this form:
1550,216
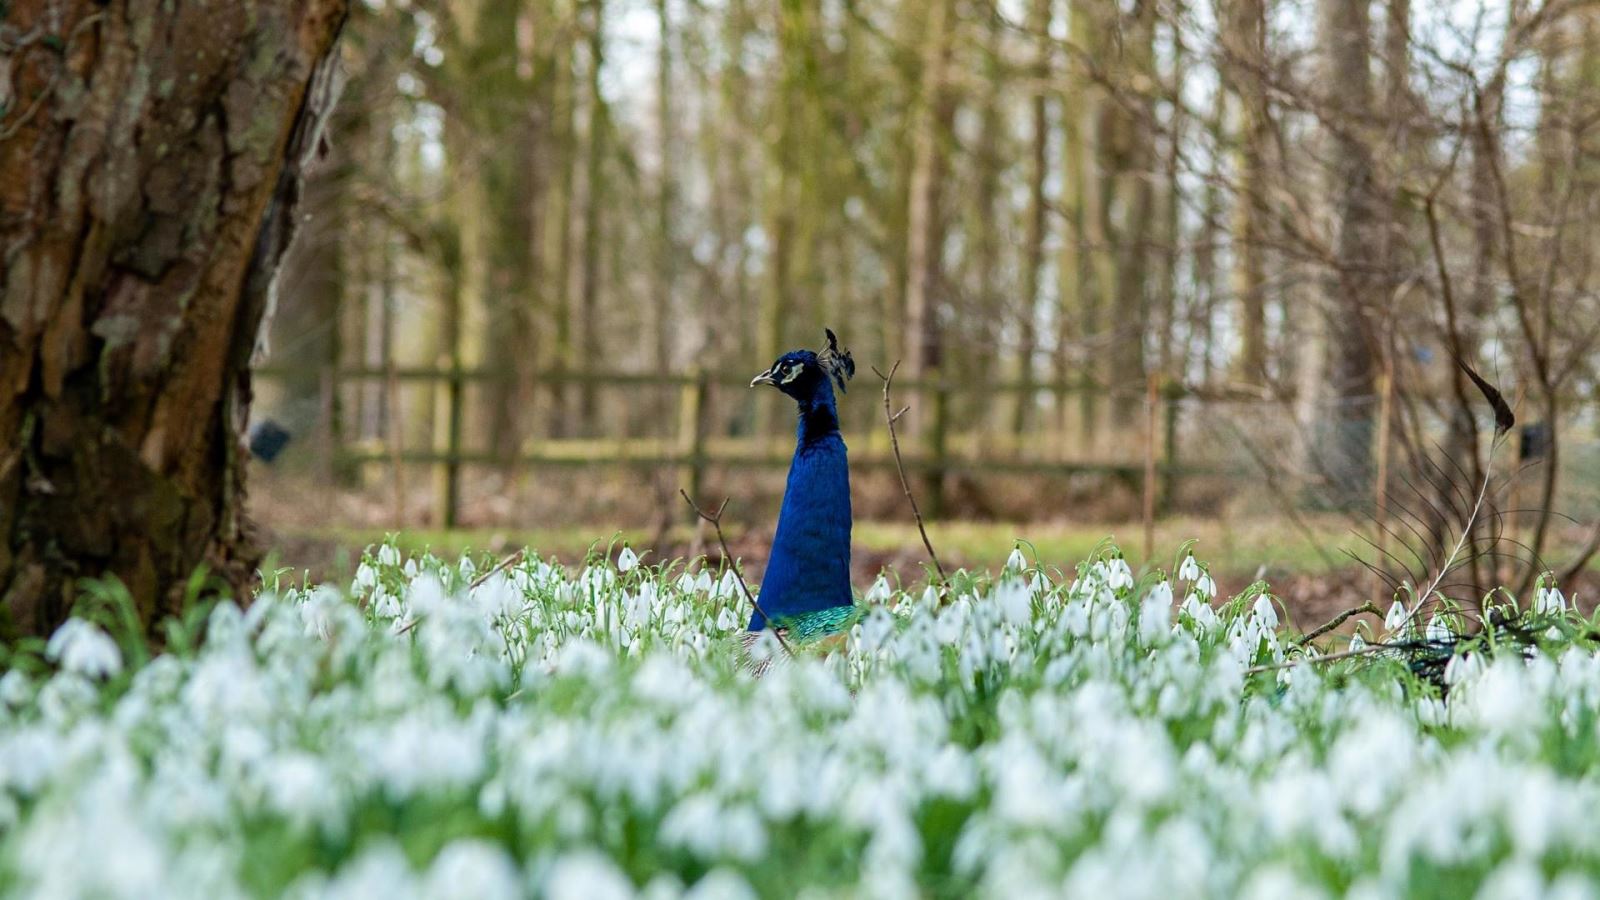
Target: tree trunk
1038,205
1129,211
588,293
1347,425
1244,40
666,274
149,196
925,235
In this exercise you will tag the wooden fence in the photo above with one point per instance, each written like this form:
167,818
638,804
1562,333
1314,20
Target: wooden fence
1153,471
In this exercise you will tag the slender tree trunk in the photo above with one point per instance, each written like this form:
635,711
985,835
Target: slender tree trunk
560,209
1038,204
1348,426
666,197
588,293
151,195
1172,205
1130,210
1203,314
1074,274
1244,42
925,234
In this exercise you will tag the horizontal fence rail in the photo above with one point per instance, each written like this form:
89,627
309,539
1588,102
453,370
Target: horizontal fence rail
693,448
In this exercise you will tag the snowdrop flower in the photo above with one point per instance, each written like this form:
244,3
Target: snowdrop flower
1549,600
473,868
878,593
1016,562
587,875
1396,618
1155,613
81,647
1014,601
1189,570
627,560
388,555
1436,630
1120,576
1265,612
1204,586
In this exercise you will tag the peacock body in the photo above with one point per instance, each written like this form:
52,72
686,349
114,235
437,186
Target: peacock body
806,587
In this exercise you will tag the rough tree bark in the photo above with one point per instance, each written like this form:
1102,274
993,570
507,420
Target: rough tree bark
1244,40
1346,429
151,170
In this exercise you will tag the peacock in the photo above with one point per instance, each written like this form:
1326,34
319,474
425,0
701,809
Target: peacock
806,587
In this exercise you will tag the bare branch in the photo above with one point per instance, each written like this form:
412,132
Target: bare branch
727,555
1338,620
900,466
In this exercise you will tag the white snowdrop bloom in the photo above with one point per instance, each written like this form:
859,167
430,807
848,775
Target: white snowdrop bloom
380,870
587,875
385,604
1189,569
1396,617
1155,614
410,569
473,869
388,555
1357,642
1016,562
721,884
726,621
1204,586
1014,601
1573,886
1275,883
879,592
1463,667
1515,879
1120,576
366,579
16,689
1265,612
876,627
627,560
81,647
300,788
1549,600
1437,630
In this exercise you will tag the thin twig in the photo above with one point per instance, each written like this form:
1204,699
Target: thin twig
1338,620
894,444
506,563
727,556
476,582
1331,657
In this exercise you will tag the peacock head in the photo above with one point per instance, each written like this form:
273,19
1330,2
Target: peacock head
802,373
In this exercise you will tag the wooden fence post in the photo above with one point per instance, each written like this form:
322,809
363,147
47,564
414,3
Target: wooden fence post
693,412
1152,397
1169,447
447,413
939,448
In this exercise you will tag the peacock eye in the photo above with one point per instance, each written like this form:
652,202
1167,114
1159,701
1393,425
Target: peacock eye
791,372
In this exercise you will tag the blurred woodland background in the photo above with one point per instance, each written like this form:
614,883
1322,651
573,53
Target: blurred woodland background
1136,260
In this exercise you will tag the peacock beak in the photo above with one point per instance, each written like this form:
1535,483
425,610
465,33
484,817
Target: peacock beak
763,378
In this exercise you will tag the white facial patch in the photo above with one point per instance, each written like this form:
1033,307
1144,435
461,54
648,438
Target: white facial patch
791,373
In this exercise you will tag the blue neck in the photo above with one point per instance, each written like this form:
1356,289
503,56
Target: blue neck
819,416
809,569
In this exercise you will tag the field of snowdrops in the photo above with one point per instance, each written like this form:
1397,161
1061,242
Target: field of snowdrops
596,733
